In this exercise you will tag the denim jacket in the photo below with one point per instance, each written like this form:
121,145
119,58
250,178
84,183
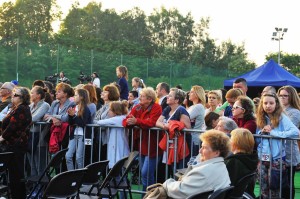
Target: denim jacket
291,147
285,129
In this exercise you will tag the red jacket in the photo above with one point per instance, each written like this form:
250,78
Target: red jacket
175,125
250,124
146,118
57,134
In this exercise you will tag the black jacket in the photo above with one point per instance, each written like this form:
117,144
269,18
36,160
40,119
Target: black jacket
239,165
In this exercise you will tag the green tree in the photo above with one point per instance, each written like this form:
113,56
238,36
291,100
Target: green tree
290,62
171,33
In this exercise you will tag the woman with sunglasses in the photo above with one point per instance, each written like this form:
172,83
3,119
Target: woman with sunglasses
243,114
272,121
290,100
14,136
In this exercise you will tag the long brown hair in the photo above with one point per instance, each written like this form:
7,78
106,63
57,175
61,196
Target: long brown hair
84,101
123,70
294,100
275,116
92,92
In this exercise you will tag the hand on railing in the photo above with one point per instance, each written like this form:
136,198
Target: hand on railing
131,120
177,133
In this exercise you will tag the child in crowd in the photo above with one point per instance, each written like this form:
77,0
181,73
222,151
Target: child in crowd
122,74
79,115
133,99
117,146
137,84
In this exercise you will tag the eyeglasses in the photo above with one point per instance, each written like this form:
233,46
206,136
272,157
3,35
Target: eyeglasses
16,95
235,107
283,96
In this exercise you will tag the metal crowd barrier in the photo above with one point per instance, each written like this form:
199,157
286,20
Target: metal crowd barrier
94,141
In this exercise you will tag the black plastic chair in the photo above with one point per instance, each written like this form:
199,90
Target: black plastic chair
43,179
92,177
221,193
65,185
105,190
5,160
203,195
241,186
124,182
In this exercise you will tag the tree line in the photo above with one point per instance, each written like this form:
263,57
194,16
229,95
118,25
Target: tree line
164,46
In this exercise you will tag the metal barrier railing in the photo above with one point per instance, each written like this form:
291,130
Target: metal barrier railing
93,148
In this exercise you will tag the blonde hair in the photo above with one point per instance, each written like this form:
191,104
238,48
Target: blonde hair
199,91
217,93
233,93
243,140
275,116
149,92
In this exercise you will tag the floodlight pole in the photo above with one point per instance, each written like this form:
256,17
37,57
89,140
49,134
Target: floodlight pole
278,35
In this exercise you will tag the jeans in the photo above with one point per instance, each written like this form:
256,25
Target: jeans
148,164
75,145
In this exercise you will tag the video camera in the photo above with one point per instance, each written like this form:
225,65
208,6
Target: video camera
52,78
82,77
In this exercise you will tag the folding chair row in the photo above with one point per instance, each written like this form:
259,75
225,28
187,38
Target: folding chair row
88,183
117,178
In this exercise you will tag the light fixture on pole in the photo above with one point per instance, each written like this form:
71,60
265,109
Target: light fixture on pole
277,36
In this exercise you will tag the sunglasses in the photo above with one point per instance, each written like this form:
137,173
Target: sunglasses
236,107
16,95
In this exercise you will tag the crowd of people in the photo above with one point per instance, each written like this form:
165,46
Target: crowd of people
225,151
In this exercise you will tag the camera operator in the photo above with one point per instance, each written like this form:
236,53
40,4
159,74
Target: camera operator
62,78
96,79
82,78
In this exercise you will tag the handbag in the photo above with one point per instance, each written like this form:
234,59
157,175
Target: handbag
156,191
275,179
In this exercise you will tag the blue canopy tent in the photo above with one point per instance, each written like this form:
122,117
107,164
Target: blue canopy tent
269,74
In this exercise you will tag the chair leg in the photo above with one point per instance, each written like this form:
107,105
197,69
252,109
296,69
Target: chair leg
125,194
130,194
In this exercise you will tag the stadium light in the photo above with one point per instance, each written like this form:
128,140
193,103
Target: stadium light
277,36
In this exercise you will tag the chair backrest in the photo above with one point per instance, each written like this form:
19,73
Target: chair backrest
242,185
221,193
57,158
129,163
65,184
5,159
203,195
94,171
114,172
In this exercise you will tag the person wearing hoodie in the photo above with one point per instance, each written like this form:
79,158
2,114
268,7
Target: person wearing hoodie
242,157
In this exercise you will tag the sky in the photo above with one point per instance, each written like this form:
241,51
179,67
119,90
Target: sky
251,22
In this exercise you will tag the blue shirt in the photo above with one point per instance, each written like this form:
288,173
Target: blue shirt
285,129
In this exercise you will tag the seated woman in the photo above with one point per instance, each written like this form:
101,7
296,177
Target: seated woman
226,125
208,175
242,157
